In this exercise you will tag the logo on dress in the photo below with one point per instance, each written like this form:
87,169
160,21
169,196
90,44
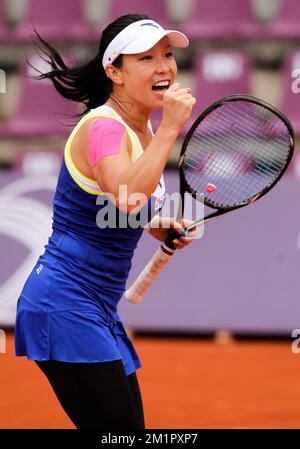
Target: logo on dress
159,202
39,269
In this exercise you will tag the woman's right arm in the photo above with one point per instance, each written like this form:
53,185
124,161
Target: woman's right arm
142,176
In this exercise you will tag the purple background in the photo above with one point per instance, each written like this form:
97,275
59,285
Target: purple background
242,275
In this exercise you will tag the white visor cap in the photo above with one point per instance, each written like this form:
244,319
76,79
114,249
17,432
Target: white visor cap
140,36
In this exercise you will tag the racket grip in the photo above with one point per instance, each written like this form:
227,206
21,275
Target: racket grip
138,289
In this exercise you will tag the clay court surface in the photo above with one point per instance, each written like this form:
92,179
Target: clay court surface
186,383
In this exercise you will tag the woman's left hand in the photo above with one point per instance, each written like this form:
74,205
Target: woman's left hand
184,239
160,228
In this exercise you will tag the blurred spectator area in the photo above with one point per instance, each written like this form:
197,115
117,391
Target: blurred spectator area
237,46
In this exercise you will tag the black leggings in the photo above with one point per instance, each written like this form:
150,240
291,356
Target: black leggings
96,395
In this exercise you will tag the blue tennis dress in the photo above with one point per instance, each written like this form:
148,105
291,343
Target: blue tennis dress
67,309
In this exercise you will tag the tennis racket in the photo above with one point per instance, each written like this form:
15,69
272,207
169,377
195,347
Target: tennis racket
234,153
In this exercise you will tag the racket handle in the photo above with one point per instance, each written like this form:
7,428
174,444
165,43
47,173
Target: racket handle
138,289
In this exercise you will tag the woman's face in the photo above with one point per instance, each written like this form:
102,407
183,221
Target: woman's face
141,72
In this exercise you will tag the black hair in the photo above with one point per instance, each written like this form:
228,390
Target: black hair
86,83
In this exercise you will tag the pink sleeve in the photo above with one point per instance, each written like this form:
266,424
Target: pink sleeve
104,139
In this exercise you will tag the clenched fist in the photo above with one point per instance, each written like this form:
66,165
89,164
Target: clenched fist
178,103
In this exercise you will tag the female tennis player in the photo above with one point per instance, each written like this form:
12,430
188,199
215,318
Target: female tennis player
67,319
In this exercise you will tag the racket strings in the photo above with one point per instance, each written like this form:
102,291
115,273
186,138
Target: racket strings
271,168
223,168
225,165
260,125
221,137
243,191
275,131
227,188
227,196
241,148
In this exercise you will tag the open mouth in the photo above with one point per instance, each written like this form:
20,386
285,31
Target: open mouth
161,86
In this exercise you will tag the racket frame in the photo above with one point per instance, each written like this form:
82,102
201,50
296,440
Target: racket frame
136,292
185,187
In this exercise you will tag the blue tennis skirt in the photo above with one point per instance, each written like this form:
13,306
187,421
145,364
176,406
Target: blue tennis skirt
67,321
